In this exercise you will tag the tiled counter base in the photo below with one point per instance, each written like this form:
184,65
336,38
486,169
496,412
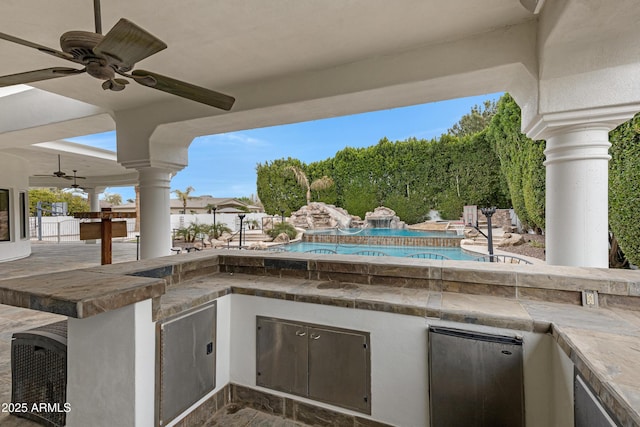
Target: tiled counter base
221,409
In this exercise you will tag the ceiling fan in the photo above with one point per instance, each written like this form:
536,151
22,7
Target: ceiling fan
115,53
75,184
60,174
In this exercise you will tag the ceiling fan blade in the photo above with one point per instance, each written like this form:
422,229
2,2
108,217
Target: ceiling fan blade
40,47
129,43
37,75
184,89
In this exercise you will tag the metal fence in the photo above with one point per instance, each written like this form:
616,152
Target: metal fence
67,229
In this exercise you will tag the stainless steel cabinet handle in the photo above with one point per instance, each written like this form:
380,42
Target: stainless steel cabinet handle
315,337
300,333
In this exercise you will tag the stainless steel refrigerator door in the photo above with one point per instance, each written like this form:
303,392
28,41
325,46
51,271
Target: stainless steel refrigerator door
475,379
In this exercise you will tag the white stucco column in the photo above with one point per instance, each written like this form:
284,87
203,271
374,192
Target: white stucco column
94,204
155,218
577,196
111,371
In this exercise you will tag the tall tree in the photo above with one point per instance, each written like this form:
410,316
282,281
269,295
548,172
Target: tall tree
475,121
114,199
184,196
302,180
521,163
320,184
75,203
277,188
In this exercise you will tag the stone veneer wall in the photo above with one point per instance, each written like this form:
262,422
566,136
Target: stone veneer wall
449,242
233,396
541,283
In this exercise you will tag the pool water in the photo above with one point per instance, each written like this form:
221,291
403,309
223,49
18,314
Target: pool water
400,232
454,253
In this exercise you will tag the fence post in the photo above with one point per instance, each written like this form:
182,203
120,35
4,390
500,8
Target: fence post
39,216
59,228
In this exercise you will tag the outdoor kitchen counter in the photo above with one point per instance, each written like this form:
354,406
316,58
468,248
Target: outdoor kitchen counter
603,343
78,293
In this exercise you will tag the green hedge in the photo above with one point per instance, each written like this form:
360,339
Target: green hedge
624,187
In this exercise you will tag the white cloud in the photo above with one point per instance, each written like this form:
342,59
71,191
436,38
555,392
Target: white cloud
234,138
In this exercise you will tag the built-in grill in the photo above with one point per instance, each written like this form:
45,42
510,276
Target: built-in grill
39,374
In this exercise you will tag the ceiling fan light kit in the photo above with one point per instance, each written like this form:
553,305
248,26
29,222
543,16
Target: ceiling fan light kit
115,53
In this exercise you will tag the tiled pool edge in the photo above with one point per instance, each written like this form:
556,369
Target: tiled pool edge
453,241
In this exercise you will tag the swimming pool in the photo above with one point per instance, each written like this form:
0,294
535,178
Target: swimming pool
454,253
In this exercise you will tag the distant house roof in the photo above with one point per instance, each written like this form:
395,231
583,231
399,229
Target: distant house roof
201,203
230,210
197,203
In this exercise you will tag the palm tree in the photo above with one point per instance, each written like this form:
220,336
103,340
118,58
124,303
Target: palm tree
321,184
137,227
184,196
317,185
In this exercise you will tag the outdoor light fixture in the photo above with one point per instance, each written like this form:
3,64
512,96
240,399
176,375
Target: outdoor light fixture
488,212
214,209
241,216
282,214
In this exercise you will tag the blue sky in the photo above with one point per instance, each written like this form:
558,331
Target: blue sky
224,165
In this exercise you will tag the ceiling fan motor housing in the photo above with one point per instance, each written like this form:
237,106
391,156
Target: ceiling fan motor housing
80,45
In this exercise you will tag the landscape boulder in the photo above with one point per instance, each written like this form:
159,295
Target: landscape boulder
320,215
509,239
282,238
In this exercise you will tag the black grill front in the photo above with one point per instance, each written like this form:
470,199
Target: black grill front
39,374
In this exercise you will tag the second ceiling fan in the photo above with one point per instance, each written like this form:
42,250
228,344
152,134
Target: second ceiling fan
60,174
114,54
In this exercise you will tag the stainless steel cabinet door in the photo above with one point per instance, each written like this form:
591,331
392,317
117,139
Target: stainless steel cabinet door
188,360
588,409
339,368
282,353
475,379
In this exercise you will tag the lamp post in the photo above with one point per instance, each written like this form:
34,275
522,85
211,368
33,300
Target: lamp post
215,232
282,215
488,213
241,216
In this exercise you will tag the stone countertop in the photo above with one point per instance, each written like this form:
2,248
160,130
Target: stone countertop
78,293
603,343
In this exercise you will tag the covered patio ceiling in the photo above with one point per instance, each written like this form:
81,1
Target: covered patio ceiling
97,167
283,61
288,61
